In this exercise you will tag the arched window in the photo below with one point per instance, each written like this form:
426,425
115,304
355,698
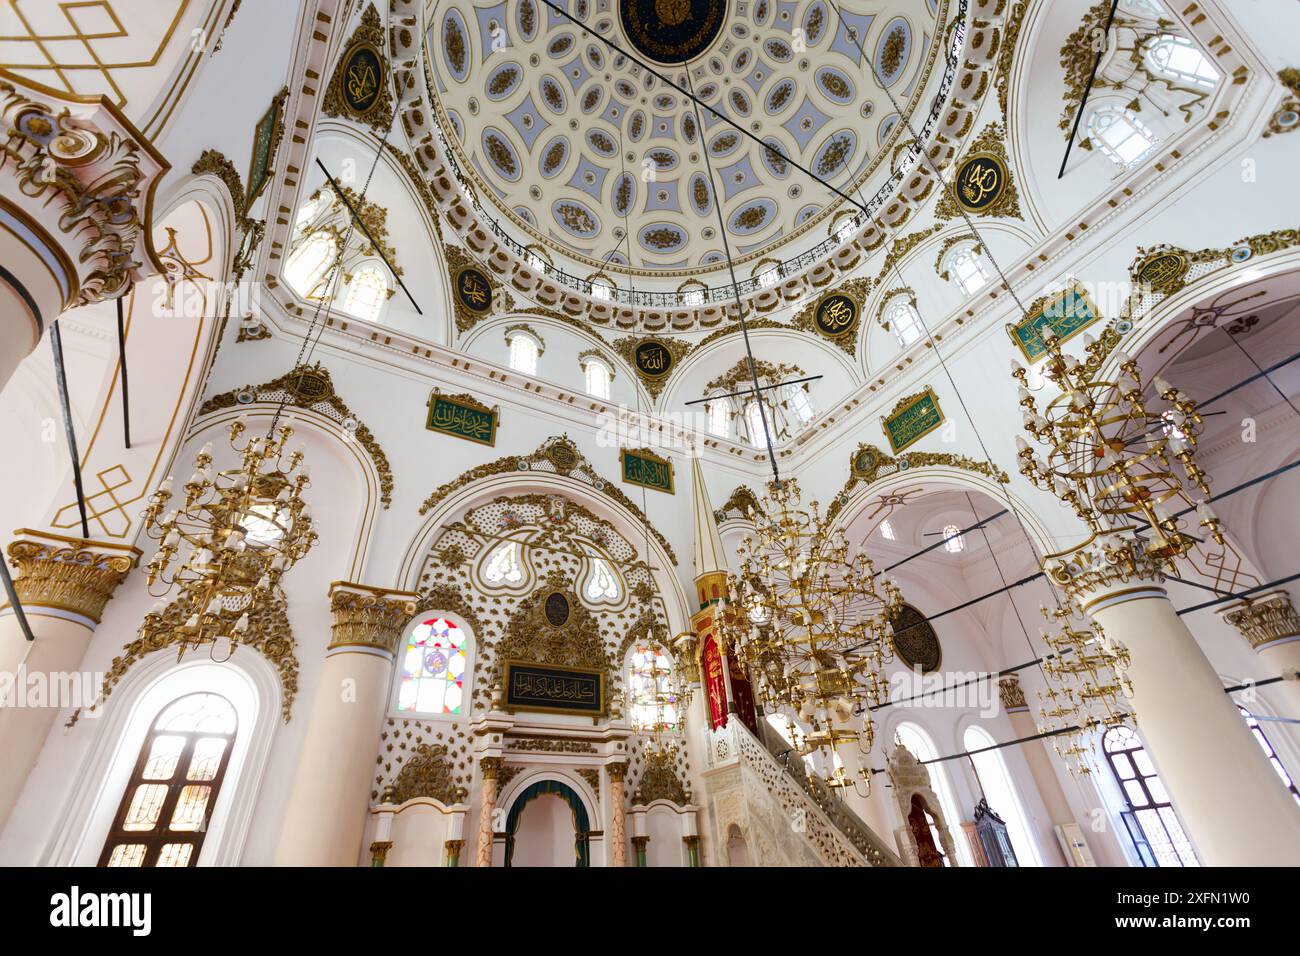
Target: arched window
1181,60
796,397
903,318
602,582
367,293
719,418
953,540
503,565
598,376
754,424
308,264
887,530
523,353
922,747
1121,135
968,267
168,802
1269,752
433,674
650,689
1147,797
1000,792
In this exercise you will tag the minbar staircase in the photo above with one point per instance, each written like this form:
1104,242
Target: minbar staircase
786,817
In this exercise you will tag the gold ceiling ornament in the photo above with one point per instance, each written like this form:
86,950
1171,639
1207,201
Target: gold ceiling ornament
359,88
983,178
68,574
1286,118
1109,457
310,386
855,290
557,455
1087,690
899,248
98,175
653,358
742,503
458,260
812,619
1007,51
868,464
241,528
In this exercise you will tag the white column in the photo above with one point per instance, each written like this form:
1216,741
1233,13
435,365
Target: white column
325,821
1272,626
1235,809
63,584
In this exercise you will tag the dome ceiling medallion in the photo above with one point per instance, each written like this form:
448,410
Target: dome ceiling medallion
587,153
672,31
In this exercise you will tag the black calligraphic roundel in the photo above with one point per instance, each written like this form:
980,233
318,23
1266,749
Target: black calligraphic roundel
363,78
915,640
981,180
672,31
557,609
1163,271
653,359
473,290
836,315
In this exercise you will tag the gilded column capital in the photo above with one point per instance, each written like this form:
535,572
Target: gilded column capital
1012,694
617,771
491,767
687,646
369,617
72,575
1109,567
1264,620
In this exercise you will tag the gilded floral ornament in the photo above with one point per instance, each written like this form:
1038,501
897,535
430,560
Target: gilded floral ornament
659,781
1286,118
428,773
653,358
310,386
855,290
359,88
982,183
369,617
68,574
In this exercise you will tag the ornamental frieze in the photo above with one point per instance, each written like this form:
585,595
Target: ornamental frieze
869,464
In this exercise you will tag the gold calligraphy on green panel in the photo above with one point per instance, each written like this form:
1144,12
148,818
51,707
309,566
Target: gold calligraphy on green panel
463,417
912,419
644,468
1068,313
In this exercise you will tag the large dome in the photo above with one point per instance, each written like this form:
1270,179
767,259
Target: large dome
571,140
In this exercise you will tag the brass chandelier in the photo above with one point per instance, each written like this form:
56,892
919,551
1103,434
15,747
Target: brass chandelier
810,617
1115,461
241,529
1108,456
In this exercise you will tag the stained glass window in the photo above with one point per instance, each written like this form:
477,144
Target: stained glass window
433,669
168,803
651,690
1137,778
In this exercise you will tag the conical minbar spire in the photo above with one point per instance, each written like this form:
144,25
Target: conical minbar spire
710,559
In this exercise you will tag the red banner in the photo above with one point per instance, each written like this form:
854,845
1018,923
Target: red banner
715,683
743,693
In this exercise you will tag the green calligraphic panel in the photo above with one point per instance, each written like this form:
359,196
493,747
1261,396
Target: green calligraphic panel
1068,313
647,470
913,419
463,420
564,690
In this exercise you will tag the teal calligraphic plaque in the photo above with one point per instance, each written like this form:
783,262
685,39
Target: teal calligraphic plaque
912,419
643,467
463,417
1068,312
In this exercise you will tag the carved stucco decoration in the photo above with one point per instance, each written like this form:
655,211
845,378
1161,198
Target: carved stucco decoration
67,573
529,636
378,116
742,503
310,386
427,773
369,619
98,179
404,739
659,781
1011,693
1286,118
1265,619
268,633
868,464
677,348
557,455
